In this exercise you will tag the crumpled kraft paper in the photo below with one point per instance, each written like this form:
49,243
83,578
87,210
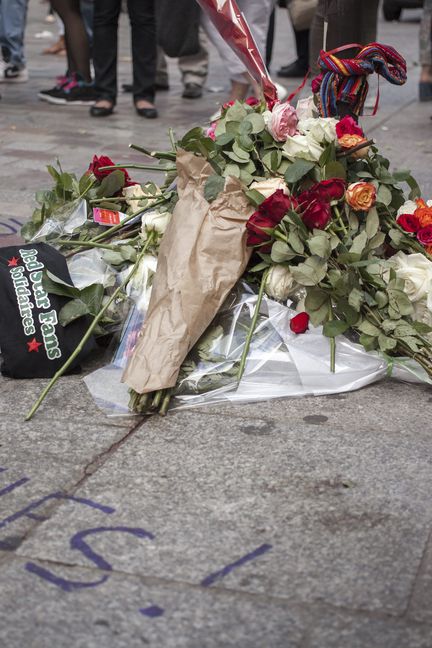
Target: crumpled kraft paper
202,255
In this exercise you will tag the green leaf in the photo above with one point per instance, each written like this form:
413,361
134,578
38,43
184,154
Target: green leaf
246,142
356,299
399,304
295,242
232,170
421,328
241,153
396,236
72,311
113,257
281,252
298,170
333,328
213,186
128,252
386,343
384,195
317,304
381,298
236,113
254,197
359,243
259,267
334,170
245,128
257,122
328,155
311,272
111,184
369,342
224,139
372,222
369,329
55,286
320,245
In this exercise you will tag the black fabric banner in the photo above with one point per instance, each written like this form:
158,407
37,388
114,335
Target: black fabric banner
32,342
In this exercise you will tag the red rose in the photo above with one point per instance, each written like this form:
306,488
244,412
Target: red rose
348,126
269,214
316,83
103,161
277,205
299,323
252,101
316,213
409,222
425,235
328,190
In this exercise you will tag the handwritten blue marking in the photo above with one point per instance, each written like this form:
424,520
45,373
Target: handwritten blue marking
11,487
216,576
78,542
33,505
152,611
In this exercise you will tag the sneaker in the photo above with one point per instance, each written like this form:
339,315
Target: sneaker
54,95
82,94
14,74
192,91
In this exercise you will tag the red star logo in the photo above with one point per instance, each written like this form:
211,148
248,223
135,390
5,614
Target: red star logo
33,345
12,263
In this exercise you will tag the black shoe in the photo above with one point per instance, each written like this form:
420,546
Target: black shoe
101,111
56,95
294,70
82,94
192,91
148,113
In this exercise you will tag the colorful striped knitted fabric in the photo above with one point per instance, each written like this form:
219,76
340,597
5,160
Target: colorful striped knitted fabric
345,80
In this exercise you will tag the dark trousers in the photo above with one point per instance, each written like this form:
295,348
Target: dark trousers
349,21
143,26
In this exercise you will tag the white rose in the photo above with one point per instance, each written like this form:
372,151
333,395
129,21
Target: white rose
280,283
154,222
409,207
302,146
322,129
139,287
269,186
306,108
137,191
416,271
423,314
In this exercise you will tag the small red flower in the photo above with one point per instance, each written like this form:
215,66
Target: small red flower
300,323
409,222
348,126
425,235
328,190
252,101
101,161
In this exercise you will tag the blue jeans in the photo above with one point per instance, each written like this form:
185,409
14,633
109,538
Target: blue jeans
13,15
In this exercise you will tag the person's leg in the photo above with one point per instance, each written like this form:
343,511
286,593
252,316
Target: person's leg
162,79
425,85
77,43
194,69
144,54
349,21
105,28
14,16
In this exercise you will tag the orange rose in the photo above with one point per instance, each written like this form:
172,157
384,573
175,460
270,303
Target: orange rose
424,215
348,142
361,196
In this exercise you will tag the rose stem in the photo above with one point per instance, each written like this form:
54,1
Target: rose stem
252,327
165,403
86,244
352,150
88,333
332,343
145,167
340,220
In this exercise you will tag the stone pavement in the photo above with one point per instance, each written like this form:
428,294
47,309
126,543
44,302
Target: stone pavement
303,523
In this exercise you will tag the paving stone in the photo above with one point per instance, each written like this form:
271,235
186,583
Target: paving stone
40,614
339,510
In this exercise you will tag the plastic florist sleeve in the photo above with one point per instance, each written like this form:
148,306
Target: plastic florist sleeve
232,26
202,255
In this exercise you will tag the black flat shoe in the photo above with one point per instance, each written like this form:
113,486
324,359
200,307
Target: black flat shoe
148,113
101,111
294,71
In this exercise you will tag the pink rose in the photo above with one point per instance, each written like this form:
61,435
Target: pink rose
211,131
283,122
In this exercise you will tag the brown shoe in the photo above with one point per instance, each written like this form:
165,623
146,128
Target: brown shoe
57,48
